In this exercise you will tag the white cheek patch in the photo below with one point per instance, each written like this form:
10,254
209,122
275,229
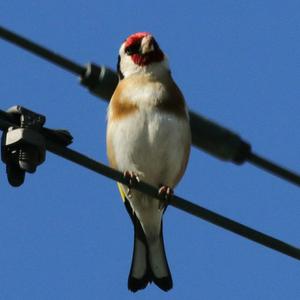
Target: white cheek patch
129,67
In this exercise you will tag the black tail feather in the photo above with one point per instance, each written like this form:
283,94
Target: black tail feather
164,283
135,284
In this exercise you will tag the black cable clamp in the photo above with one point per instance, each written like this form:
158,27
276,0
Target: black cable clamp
23,145
100,80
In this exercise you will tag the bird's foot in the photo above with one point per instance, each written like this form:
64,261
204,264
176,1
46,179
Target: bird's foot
132,179
165,194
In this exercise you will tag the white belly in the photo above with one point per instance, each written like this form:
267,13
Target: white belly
151,144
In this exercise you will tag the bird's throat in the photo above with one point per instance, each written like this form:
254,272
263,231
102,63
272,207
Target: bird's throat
148,58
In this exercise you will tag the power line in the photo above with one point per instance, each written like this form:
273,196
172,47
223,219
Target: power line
41,51
179,202
207,135
274,168
7,121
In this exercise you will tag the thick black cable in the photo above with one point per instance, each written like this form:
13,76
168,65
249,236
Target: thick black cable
5,123
178,202
41,51
207,135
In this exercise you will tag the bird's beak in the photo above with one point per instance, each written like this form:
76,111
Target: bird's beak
147,44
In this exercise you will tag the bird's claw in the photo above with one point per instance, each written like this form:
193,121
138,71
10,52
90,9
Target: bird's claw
165,194
132,179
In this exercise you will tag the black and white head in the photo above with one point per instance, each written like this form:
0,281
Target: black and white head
140,53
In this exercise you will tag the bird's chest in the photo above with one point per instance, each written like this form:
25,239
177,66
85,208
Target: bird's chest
143,140
147,132
146,135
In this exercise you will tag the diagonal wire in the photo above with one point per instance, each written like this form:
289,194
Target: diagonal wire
176,201
179,202
41,51
266,164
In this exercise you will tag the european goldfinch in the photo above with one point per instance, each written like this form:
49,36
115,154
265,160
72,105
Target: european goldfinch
148,138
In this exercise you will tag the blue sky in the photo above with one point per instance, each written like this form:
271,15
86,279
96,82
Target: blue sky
65,233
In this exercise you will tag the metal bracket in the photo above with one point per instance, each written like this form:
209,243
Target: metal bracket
23,146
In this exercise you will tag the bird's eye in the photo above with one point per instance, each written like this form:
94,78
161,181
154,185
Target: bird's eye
134,48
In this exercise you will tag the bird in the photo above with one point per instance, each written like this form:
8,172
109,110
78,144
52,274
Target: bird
148,138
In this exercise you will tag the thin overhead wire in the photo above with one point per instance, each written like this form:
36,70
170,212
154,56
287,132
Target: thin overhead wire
176,201
41,51
274,168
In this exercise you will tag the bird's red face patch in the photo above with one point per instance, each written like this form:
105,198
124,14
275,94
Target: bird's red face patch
132,48
132,39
